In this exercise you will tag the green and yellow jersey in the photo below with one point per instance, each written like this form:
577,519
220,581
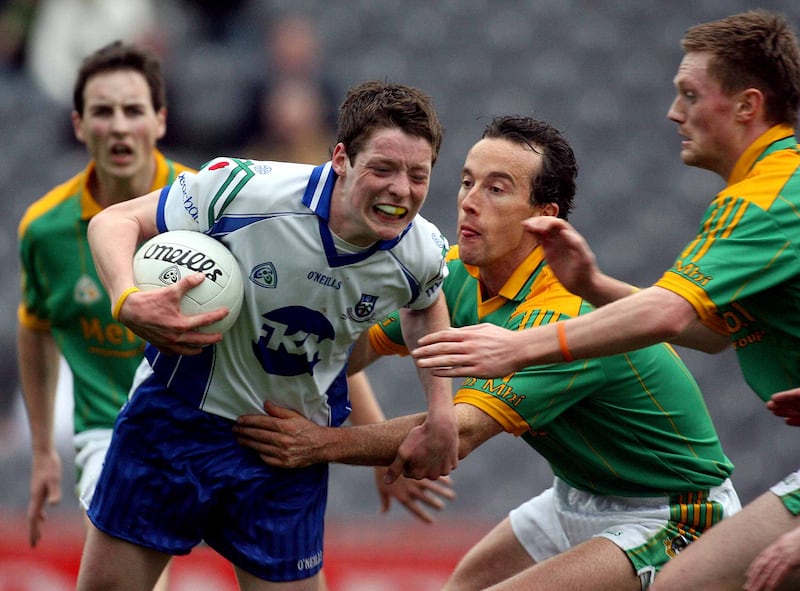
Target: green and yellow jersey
742,271
62,293
625,425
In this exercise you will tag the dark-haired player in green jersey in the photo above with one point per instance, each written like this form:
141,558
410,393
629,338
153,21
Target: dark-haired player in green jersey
639,470
119,115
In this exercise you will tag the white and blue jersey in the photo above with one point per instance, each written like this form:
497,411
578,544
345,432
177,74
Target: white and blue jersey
308,294
175,473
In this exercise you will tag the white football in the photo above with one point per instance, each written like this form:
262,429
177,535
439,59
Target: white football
168,257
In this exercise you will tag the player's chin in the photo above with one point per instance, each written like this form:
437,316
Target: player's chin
389,227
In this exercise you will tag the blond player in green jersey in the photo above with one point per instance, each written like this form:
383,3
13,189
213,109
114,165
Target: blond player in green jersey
639,470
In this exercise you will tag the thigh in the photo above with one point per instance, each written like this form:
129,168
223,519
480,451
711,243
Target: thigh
595,565
719,559
497,556
248,582
112,563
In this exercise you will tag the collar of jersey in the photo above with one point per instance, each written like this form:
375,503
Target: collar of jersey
317,197
89,206
782,135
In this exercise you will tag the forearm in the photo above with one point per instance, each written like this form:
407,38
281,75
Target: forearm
114,234
367,445
647,317
366,409
605,289
38,362
438,390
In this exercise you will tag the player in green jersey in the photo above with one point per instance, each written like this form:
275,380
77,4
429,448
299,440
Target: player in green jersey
639,470
119,115
737,283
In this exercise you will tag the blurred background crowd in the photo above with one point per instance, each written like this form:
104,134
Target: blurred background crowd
263,78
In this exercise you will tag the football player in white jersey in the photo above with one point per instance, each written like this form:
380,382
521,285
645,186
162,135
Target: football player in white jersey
326,250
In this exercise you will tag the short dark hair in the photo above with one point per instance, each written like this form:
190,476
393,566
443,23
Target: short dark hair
121,56
378,105
555,182
753,49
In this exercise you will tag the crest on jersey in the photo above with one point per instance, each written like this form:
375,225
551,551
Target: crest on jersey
170,275
362,311
265,275
86,290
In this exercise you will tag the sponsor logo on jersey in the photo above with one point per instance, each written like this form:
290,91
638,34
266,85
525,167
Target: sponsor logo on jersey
86,291
363,310
323,279
293,341
693,272
265,275
219,165
188,200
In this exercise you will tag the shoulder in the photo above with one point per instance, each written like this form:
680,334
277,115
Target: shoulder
51,202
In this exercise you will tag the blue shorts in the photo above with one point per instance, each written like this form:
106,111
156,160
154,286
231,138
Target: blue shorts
175,475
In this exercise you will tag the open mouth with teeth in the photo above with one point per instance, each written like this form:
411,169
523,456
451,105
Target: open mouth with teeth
391,210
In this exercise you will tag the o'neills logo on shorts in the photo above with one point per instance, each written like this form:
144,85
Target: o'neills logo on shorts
193,260
310,562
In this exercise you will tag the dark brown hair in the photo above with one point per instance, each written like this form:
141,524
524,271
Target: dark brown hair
555,182
379,105
121,56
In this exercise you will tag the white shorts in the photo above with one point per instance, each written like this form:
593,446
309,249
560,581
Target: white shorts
788,490
563,517
90,452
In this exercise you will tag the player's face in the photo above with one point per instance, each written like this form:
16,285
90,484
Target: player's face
119,125
380,193
493,200
705,116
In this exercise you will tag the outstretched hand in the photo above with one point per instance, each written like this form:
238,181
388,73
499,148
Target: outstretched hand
774,564
786,404
417,496
479,351
155,315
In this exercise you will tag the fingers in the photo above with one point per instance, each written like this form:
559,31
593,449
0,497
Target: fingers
395,470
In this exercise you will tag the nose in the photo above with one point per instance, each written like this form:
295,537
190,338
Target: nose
468,200
673,113
400,186
119,122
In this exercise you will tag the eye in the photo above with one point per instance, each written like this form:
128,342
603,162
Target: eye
134,111
466,183
100,111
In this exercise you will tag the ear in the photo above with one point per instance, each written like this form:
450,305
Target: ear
549,209
76,126
161,116
750,104
339,159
